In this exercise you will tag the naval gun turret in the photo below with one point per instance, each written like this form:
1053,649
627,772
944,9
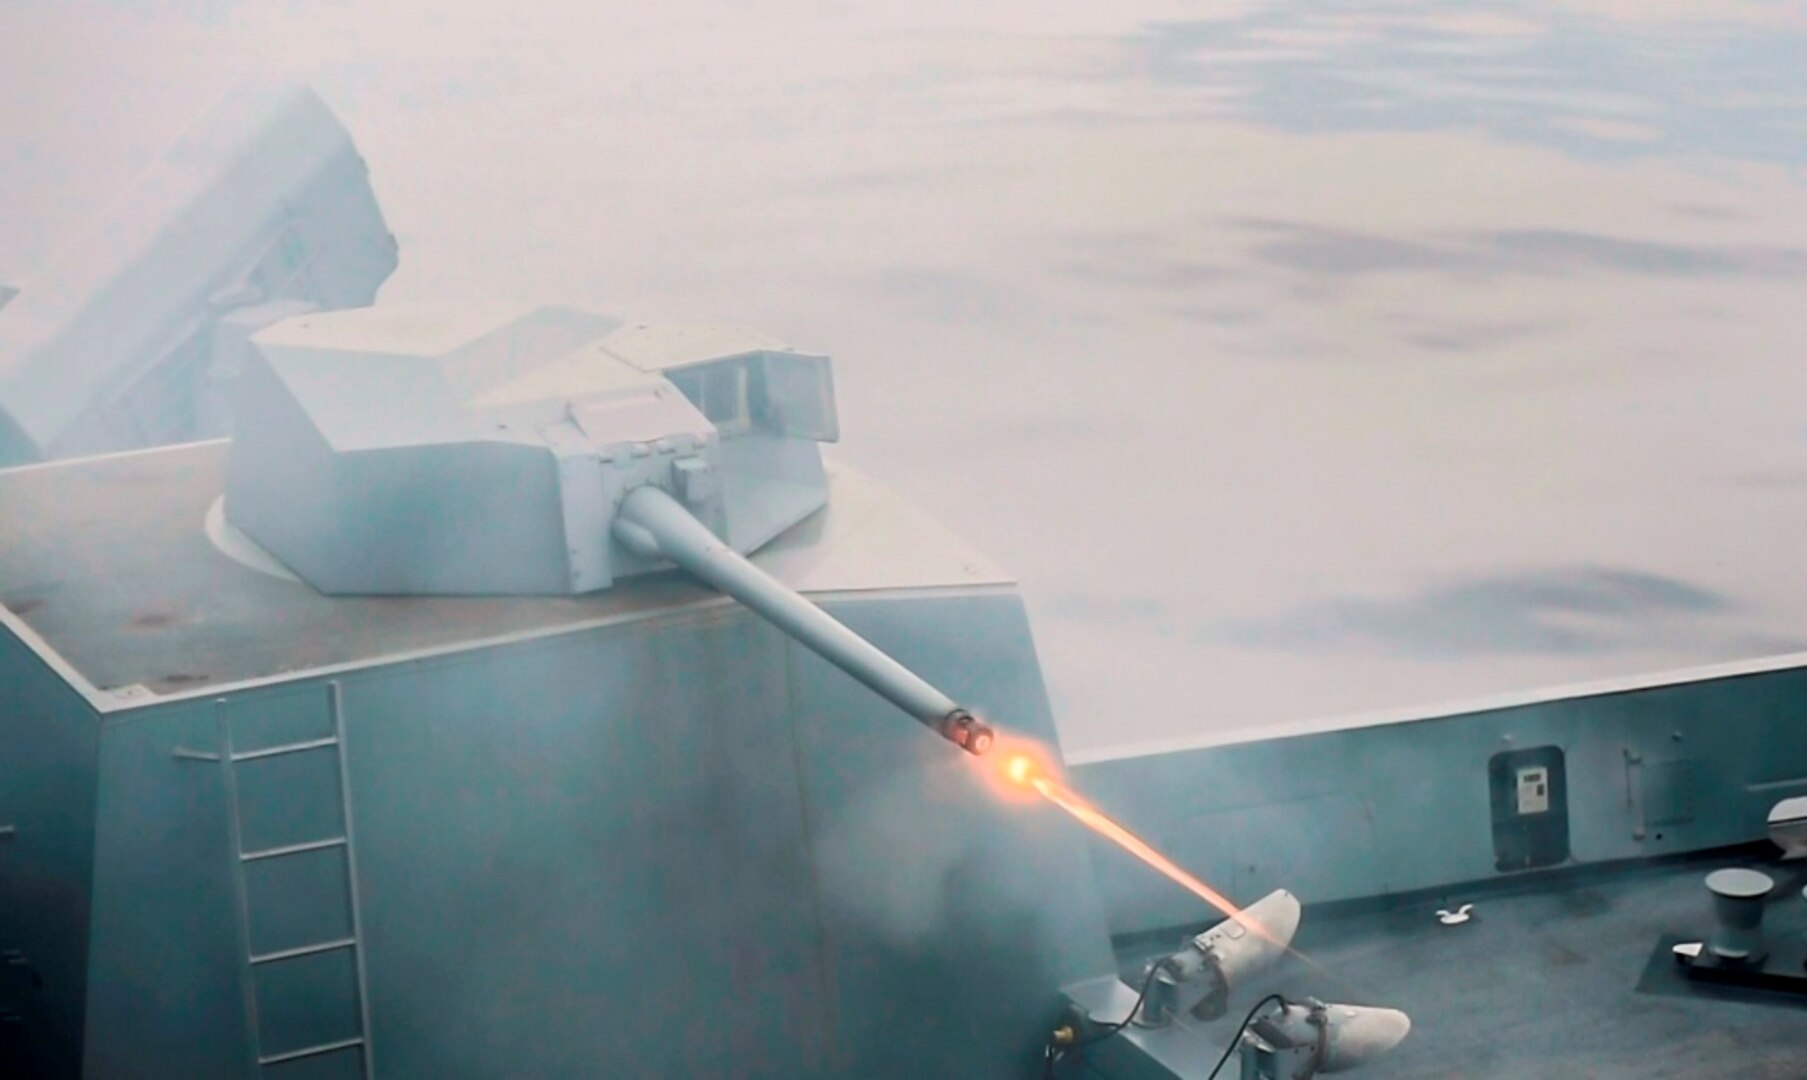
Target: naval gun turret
406,453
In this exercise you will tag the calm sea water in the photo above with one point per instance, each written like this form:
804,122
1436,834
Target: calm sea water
1302,359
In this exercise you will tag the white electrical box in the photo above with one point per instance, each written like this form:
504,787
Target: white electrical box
1533,790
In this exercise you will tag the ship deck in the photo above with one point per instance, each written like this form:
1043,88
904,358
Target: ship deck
1560,974
107,562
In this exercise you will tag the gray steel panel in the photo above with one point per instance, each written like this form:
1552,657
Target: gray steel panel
690,826
282,719
307,1001
1667,790
289,799
944,912
164,969
1424,787
566,845
297,901
48,747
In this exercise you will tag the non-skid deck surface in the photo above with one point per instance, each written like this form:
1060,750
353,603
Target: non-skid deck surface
1553,980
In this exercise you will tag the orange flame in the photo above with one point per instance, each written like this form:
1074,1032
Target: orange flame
1093,818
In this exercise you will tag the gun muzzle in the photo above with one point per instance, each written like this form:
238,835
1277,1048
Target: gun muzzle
649,514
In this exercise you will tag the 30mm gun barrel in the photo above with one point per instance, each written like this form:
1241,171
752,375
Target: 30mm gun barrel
653,524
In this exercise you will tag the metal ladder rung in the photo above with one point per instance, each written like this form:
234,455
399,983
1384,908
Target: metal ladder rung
291,849
311,1051
290,748
249,980
304,950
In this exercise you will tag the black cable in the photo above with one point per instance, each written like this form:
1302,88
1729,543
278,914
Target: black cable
1111,1029
1052,1054
1240,1028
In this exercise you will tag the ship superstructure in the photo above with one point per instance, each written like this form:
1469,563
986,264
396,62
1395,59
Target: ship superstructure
521,692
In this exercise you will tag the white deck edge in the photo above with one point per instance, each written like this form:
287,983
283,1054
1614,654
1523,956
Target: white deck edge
62,462
129,699
111,702
1412,713
50,658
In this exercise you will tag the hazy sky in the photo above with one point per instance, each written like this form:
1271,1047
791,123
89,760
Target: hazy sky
1301,359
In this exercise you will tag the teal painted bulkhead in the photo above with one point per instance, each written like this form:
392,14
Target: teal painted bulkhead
48,741
1394,808
164,960
682,846
686,845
